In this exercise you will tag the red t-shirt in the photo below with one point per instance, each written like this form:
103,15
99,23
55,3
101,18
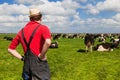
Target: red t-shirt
41,34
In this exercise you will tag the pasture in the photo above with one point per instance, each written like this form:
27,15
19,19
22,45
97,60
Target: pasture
68,62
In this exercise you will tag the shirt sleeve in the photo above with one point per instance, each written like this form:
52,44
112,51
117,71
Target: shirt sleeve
46,33
15,42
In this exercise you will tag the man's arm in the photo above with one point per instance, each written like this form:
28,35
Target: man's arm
14,53
45,48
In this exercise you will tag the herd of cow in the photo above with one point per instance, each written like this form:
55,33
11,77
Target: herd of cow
113,43
89,41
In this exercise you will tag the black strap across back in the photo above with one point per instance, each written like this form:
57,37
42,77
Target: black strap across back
31,37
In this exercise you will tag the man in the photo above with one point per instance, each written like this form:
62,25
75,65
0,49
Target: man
35,39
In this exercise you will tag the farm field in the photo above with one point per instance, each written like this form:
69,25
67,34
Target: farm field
68,62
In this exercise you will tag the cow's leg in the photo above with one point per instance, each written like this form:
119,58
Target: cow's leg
91,48
86,48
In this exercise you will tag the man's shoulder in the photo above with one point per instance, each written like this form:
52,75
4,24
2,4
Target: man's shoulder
43,26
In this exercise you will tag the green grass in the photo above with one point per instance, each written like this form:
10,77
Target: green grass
68,62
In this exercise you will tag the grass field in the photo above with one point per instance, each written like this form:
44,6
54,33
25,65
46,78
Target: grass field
68,62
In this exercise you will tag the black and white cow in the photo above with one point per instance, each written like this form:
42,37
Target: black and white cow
57,36
106,46
101,38
8,38
89,42
115,41
54,45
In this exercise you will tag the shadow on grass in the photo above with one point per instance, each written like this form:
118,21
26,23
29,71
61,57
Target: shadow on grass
81,50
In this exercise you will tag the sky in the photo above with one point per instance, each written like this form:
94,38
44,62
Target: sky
63,16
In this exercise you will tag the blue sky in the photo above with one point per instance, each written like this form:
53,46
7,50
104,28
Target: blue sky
63,16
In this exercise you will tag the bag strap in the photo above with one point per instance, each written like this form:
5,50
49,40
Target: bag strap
31,37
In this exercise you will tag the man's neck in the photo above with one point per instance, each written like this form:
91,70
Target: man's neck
38,21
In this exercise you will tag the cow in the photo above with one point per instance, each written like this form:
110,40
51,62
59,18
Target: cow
64,36
102,38
89,42
106,46
8,38
57,36
116,42
54,45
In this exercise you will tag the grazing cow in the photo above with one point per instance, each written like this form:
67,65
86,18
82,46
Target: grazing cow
89,42
115,42
102,38
64,36
54,45
57,36
75,36
8,38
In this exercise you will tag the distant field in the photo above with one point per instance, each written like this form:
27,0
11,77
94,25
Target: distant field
68,62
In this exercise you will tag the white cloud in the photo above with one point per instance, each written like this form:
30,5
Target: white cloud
108,5
69,4
59,16
81,1
6,9
117,17
7,18
92,9
31,2
54,13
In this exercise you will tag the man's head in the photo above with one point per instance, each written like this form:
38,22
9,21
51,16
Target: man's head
35,15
